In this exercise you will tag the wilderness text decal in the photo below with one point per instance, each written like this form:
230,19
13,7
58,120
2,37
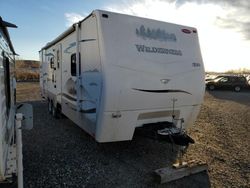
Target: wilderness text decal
149,49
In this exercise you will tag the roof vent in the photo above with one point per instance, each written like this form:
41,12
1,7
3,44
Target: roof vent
187,31
105,16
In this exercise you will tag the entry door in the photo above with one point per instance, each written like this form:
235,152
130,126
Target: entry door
58,71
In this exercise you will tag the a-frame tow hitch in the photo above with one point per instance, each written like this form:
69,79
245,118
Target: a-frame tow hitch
169,132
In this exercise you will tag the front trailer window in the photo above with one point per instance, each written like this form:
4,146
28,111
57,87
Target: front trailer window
58,58
73,64
52,62
6,65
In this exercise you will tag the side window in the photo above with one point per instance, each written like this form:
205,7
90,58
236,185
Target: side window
73,64
52,62
225,79
53,78
242,79
57,58
233,79
6,65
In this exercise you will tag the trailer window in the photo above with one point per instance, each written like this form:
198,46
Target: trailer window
58,58
53,77
6,65
73,64
52,62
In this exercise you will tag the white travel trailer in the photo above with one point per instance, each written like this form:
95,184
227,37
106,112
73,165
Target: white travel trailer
11,116
111,73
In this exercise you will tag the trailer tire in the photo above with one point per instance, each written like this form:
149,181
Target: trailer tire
49,106
237,88
59,112
56,113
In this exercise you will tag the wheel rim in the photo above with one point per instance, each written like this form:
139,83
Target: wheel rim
50,106
211,87
237,88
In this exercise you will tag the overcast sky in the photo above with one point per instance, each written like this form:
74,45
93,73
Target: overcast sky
223,25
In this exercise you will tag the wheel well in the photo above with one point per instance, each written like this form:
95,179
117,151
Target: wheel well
58,106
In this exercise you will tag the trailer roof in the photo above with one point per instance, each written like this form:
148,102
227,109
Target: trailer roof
3,26
72,29
64,34
60,37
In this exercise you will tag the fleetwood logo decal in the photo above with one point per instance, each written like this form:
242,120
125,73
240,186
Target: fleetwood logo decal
156,34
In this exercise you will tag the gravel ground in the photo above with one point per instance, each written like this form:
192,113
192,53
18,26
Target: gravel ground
222,135
57,153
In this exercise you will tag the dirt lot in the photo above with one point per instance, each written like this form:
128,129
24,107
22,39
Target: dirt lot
59,154
28,91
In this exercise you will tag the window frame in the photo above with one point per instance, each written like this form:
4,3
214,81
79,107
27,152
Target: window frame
73,57
58,58
52,63
6,65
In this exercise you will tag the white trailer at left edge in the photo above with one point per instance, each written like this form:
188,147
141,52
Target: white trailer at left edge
13,117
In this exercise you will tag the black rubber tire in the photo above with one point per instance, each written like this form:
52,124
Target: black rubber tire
54,111
237,88
211,87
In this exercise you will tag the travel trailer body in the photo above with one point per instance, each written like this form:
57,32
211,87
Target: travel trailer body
7,99
111,73
11,117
